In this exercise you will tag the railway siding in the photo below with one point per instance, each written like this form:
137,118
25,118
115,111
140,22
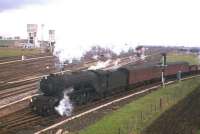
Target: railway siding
8,109
25,69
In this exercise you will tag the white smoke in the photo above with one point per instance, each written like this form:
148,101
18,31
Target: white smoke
100,64
109,64
65,106
116,64
132,58
71,52
95,57
142,57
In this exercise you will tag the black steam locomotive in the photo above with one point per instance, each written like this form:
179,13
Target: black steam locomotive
88,86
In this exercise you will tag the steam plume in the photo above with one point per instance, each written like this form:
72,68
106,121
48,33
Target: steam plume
65,106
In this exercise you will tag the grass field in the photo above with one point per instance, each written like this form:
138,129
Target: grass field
133,118
9,52
190,58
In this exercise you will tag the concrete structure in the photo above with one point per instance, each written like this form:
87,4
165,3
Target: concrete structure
32,35
52,40
140,50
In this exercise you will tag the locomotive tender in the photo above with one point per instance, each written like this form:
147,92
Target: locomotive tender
92,85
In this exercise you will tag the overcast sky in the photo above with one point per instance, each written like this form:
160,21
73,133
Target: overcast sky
13,4
83,23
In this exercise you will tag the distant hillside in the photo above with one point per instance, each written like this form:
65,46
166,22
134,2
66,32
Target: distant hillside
10,52
190,58
6,43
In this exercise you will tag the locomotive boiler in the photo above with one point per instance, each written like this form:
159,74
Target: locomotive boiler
81,87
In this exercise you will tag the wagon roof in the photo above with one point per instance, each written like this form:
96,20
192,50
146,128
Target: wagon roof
137,67
178,62
151,65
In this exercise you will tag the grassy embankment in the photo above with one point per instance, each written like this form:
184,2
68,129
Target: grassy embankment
190,58
10,52
183,118
133,118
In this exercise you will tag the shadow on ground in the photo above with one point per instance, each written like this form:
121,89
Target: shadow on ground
183,118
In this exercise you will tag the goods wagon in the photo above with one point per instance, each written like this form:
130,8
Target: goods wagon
152,72
172,68
142,73
193,69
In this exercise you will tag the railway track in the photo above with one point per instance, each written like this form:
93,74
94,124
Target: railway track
18,90
14,84
27,68
10,60
20,121
11,92
23,119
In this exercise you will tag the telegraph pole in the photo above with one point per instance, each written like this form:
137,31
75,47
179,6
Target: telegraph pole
42,35
164,65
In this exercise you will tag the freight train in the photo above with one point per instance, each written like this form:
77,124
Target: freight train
87,86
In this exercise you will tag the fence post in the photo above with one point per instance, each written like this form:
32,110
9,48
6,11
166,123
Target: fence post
119,131
132,124
51,131
161,103
59,131
151,108
136,123
167,100
128,126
